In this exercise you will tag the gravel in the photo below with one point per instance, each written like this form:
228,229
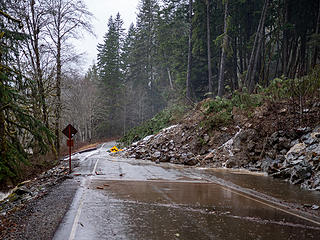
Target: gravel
39,218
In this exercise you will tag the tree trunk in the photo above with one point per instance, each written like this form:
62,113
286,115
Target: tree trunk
292,60
285,57
235,66
316,48
252,69
209,51
223,52
170,78
58,97
241,55
125,103
39,74
188,82
3,144
303,59
125,119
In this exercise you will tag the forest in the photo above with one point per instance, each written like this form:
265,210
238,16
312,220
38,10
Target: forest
178,52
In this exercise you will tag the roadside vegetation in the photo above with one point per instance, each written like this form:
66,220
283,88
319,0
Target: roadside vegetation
163,119
239,54
297,96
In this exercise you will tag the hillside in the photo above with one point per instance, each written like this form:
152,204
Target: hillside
264,134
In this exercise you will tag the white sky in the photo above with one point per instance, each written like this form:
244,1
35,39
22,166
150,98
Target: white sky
102,10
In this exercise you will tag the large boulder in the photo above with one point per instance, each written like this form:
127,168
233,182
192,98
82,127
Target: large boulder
300,172
295,151
301,163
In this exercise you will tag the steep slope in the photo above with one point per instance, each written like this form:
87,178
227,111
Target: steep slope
270,138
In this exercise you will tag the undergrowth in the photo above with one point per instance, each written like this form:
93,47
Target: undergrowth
161,120
218,111
299,93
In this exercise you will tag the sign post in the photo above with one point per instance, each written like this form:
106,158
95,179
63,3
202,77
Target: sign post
69,132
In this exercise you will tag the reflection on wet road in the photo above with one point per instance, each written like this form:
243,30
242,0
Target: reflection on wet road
131,199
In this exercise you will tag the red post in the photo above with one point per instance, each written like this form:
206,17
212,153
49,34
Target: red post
69,132
70,150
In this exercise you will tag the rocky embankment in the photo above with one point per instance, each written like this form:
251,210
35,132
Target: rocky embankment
35,208
292,154
33,189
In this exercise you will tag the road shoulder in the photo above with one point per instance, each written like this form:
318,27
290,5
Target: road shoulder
39,218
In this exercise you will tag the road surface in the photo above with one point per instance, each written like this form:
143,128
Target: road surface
136,199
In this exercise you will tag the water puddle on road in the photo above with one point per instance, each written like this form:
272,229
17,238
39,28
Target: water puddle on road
235,171
143,200
163,210
264,184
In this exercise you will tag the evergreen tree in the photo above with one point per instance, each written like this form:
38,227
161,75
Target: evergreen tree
110,71
150,101
131,80
222,41
20,132
172,38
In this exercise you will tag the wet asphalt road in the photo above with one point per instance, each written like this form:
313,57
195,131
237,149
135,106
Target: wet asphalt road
133,199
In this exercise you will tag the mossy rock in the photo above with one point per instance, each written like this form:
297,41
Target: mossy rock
13,197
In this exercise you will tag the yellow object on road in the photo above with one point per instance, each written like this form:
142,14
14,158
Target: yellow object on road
115,149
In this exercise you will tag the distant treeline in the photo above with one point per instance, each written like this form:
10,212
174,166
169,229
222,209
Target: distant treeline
177,51
184,49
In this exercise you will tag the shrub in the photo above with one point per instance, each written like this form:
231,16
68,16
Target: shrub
161,120
219,110
299,88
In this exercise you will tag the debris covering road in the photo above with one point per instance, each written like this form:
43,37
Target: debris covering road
123,198
293,156
108,197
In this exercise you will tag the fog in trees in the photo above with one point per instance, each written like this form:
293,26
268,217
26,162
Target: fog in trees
177,52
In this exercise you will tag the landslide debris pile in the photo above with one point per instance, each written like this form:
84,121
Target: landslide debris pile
266,141
299,159
33,189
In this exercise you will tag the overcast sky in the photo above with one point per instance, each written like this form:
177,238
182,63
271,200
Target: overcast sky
102,10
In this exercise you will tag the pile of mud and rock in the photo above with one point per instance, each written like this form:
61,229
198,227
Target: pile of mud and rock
34,188
267,141
35,208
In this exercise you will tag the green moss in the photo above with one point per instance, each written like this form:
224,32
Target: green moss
13,197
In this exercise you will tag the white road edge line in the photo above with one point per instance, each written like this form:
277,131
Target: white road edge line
76,220
89,155
95,167
268,203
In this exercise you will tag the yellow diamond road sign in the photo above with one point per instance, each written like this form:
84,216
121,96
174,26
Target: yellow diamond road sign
114,149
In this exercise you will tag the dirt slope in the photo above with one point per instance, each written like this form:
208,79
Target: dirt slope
274,138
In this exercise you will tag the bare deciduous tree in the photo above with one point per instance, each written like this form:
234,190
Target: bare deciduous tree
35,20
67,18
81,95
